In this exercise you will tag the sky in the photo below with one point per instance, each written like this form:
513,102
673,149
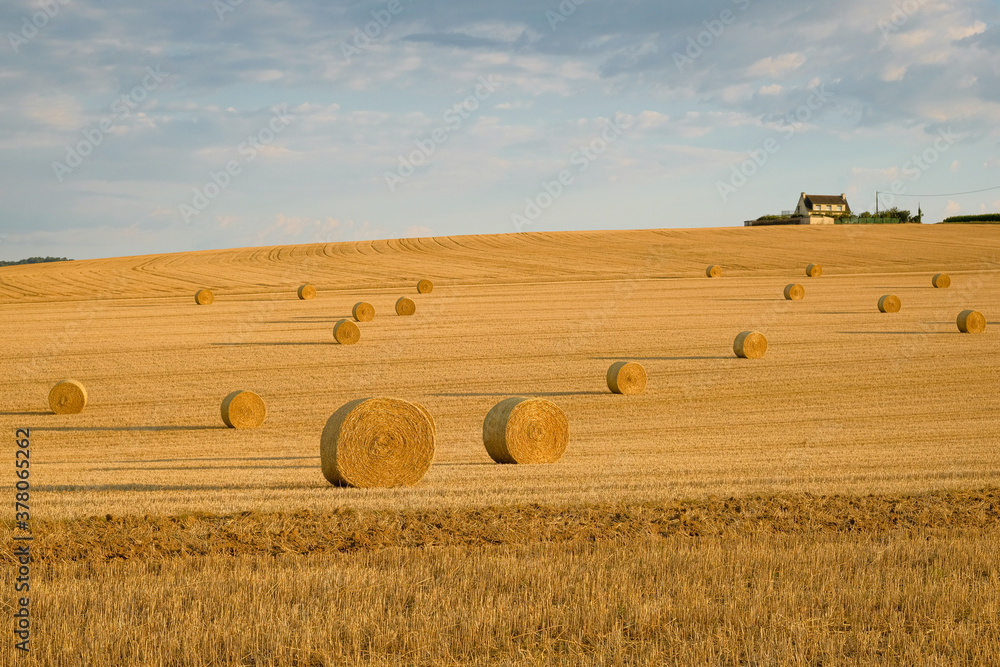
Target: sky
134,128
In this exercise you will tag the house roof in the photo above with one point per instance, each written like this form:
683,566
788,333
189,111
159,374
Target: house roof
826,200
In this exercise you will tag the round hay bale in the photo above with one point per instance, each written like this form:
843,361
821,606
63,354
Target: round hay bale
626,377
405,307
889,303
971,321
377,442
363,312
68,397
425,287
941,280
243,409
346,332
204,297
526,430
714,271
814,271
750,345
307,292
795,292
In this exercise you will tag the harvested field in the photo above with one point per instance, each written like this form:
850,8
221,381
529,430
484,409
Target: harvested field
889,422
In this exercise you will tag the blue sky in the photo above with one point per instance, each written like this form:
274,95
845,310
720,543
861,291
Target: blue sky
129,129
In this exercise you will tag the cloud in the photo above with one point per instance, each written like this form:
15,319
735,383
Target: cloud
890,92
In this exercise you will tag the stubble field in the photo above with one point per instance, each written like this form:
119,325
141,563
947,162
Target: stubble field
833,503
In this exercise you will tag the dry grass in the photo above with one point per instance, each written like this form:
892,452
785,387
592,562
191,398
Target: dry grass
755,599
589,561
111,538
151,441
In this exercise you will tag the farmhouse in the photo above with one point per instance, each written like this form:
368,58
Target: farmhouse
822,205
811,210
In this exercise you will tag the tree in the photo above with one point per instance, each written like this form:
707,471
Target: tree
901,214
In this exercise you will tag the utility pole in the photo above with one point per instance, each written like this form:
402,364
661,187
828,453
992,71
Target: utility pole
876,203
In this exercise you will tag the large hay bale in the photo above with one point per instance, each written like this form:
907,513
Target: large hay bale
243,409
425,287
750,345
814,271
889,303
307,292
795,292
714,271
626,377
526,430
941,280
971,321
377,442
346,332
363,312
68,397
204,297
405,307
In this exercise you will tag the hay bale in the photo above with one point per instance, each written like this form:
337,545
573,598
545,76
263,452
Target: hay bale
889,303
795,292
626,377
363,312
243,409
425,287
204,297
377,442
307,292
346,332
68,397
405,307
941,280
714,271
526,430
814,271
971,321
750,345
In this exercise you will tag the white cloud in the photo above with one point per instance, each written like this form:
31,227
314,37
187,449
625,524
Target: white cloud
772,67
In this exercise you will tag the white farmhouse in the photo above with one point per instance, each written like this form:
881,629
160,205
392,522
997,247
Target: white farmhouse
817,207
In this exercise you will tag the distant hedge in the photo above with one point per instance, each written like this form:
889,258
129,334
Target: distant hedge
36,260
983,217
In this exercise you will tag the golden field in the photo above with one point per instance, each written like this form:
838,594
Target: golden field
864,446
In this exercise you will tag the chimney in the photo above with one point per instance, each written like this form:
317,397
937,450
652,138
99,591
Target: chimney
843,195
